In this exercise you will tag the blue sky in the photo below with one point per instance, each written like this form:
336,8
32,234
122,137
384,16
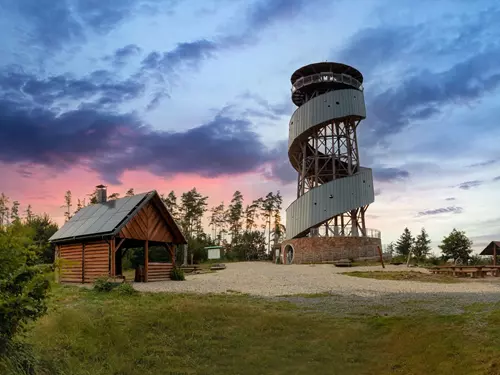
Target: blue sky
167,93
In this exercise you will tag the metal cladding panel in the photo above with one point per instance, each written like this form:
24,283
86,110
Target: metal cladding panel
324,108
316,206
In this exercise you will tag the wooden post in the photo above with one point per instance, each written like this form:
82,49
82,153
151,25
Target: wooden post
185,261
381,256
494,254
57,265
408,260
113,261
83,263
173,249
146,260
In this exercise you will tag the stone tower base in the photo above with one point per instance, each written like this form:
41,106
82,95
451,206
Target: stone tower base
327,249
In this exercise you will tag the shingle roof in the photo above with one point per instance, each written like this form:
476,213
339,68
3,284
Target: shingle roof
103,219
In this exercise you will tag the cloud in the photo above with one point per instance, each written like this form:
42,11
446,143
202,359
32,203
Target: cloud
258,15
390,174
100,87
424,94
497,178
54,24
469,184
191,54
443,210
451,35
370,48
264,13
110,143
483,163
396,57
265,109
122,55
280,169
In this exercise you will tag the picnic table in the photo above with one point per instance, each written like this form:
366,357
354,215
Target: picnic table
473,271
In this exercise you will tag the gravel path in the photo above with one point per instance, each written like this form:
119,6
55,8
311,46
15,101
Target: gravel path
271,280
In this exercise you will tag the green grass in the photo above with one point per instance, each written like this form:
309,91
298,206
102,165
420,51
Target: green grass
87,332
404,275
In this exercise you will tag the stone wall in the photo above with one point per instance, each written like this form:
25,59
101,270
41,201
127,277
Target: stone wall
329,249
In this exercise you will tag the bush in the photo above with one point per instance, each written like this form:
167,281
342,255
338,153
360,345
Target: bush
177,274
18,358
434,260
126,289
102,284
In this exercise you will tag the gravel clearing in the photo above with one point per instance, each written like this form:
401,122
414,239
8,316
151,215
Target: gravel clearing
271,280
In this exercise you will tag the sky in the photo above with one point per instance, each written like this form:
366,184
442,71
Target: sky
176,94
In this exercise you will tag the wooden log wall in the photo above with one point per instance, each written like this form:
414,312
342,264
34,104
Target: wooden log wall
70,258
84,262
159,271
96,263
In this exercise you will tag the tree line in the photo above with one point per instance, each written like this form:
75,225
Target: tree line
456,246
245,230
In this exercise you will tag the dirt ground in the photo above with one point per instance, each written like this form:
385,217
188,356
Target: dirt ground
272,280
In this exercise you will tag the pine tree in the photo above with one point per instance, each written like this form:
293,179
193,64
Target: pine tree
390,248
79,205
14,212
267,207
67,205
405,243
4,211
193,207
171,202
114,196
29,214
421,249
234,215
251,214
279,229
218,222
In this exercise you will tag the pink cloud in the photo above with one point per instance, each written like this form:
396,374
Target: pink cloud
44,189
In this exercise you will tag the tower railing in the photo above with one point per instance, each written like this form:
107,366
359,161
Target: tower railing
337,232
326,77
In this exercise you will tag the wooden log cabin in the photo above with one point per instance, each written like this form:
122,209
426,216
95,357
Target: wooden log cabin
92,243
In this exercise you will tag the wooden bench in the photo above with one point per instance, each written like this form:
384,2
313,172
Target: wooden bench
192,268
217,267
343,263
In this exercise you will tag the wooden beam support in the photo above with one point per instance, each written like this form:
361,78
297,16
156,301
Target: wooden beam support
494,254
120,244
146,260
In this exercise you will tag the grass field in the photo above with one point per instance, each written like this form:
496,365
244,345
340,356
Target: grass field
87,332
404,275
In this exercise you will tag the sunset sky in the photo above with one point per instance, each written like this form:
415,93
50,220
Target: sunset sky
173,94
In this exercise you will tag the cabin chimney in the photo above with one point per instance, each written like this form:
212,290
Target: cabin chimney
101,193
